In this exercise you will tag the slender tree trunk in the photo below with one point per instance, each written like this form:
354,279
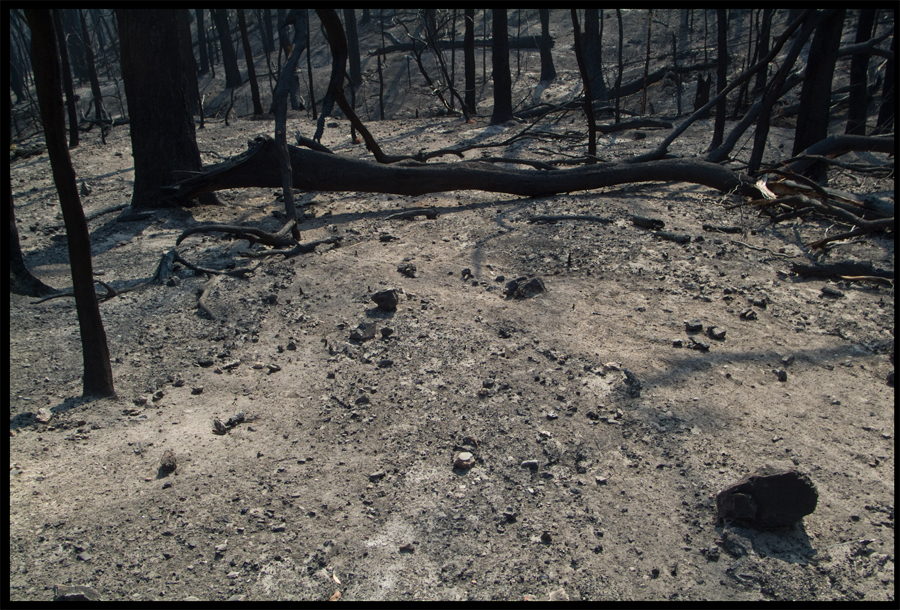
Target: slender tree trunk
621,68
67,78
97,379
773,90
815,96
721,77
647,61
251,70
354,70
92,72
885,122
592,56
21,280
763,45
201,42
229,58
469,60
500,62
190,64
312,93
586,80
548,72
859,69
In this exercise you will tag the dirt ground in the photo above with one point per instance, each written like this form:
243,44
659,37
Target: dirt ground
597,444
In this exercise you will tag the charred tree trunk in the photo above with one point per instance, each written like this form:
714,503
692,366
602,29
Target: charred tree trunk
859,68
229,58
190,64
548,72
721,77
67,78
503,111
815,97
773,91
621,68
201,42
21,280
92,72
354,71
97,379
588,83
469,60
592,56
163,140
885,122
251,71
320,171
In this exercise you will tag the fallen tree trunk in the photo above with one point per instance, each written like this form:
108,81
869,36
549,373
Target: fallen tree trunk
317,171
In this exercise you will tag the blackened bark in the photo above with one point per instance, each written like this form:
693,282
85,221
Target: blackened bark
591,54
21,280
163,140
201,42
810,19
587,83
92,71
251,71
721,77
859,67
67,78
320,171
190,64
548,72
352,48
97,378
229,57
885,122
815,96
762,45
469,60
500,63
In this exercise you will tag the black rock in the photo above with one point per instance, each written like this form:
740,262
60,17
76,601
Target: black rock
408,269
387,300
632,383
768,498
363,332
693,326
647,223
524,288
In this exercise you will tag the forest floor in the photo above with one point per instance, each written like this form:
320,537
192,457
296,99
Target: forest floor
342,476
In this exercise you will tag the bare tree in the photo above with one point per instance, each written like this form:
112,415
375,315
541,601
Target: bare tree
21,280
500,62
67,78
859,68
721,77
815,96
163,140
469,60
251,71
229,58
97,379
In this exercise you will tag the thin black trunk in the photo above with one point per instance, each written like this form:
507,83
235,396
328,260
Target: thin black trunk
500,61
97,379
859,68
